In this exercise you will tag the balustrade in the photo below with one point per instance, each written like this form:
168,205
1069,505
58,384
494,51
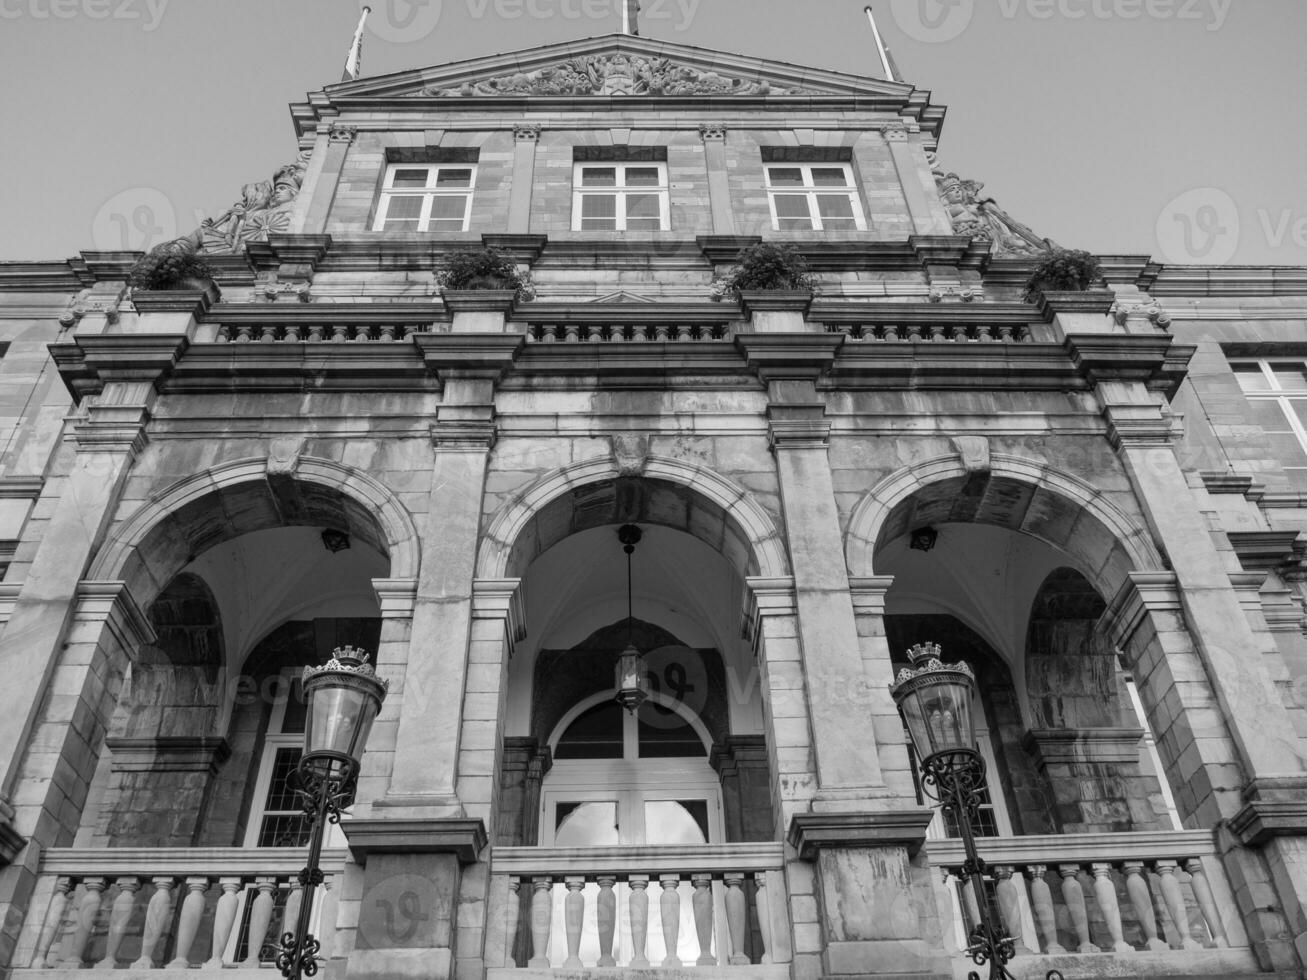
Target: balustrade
591,907
315,333
175,909
617,333
1129,894
919,333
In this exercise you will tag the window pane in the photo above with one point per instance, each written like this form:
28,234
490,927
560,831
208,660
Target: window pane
785,176
596,734
1267,413
792,211
1290,375
1287,449
664,734
448,207
642,177
1300,409
833,207
586,824
404,212
599,176
676,822
599,212
410,178
454,178
830,177
642,206
1251,377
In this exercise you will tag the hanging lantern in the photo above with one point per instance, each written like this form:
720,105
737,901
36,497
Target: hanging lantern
342,698
936,700
632,679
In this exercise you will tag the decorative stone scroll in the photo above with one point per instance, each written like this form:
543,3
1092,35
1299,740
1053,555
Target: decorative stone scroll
615,74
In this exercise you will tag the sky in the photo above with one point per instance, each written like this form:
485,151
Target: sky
1173,128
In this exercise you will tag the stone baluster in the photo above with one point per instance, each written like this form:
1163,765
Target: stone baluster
542,913
661,333
244,333
638,904
669,906
890,334
737,917
762,903
606,912
315,333
701,902
1041,902
1207,902
512,912
224,920
1074,896
339,333
1175,905
261,909
571,333
267,334
188,924
1142,901
386,333
290,914
1009,905
292,333
573,918
1105,895
362,334
87,911
158,913
938,334
984,334
1005,334
54,920
119,915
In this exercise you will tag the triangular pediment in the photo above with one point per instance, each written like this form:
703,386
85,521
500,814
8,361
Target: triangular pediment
619,65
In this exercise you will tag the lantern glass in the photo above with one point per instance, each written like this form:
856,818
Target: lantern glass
342,701
936,701
631,679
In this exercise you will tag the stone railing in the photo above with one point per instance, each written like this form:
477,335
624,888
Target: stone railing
636,907
618,333
315,333
1144,895
919,333
150,908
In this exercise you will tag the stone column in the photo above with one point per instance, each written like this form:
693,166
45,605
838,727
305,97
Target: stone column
322,179
917,181
423,779
525,140
719,188
741,761
837,686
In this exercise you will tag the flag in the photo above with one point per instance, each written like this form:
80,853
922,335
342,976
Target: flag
354,61
631,17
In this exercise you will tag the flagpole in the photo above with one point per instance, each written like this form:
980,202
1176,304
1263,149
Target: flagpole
880,46
354,61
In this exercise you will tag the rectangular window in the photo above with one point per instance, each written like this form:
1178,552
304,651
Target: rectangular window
426,197
813,197
620,197
1277,393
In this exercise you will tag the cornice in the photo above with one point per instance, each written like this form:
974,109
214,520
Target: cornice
469,355
659,312
299,367
1023,367
837,310
789,355
405,312
1154,359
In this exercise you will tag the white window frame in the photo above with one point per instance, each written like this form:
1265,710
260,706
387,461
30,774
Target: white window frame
1283,397
813,191
997,804
428,194
621,190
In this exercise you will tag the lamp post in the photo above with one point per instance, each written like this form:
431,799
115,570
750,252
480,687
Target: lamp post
342,698
936,700
631,674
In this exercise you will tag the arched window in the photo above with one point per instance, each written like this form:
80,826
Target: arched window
625,779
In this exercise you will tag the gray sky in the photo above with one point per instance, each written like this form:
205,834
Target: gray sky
1168,127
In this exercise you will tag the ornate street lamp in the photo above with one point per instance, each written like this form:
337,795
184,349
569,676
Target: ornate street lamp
631,674
342,698
935,700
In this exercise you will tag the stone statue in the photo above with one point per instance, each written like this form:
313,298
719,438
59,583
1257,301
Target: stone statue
264,207
981,217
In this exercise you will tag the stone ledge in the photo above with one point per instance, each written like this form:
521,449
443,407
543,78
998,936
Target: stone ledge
810,832
168,754
1261,820
770,971
465,838
1068,746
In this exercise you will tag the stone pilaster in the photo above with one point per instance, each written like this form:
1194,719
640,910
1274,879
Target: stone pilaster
719,189
917,181
322,179
525,140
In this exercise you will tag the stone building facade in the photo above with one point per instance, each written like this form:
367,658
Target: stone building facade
1094,498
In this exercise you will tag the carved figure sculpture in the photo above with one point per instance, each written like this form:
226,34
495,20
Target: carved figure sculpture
981,217
264,207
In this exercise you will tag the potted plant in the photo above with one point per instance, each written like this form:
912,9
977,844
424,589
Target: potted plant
484,270
1064,270
765,267
170,270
